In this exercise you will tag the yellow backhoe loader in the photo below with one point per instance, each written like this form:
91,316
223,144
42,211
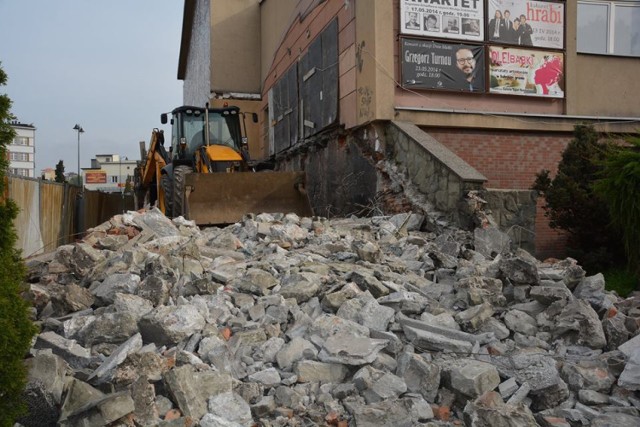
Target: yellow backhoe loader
206,175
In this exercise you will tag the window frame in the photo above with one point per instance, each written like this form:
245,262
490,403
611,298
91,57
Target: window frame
611,6
22,141
16,156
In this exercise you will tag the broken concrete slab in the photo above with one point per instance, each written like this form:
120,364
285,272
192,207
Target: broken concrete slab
104,292
350,349
231,407
578,323
106,370
377,386
473,378
630,377
295,350
309,371
170,324
192,389
45,384
489,410
365,310
420,375
70,351
101,412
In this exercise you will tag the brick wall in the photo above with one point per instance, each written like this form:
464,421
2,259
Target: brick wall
510,160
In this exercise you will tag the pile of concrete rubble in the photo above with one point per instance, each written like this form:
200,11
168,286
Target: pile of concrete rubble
287,321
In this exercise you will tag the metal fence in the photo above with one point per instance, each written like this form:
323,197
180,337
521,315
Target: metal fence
53,214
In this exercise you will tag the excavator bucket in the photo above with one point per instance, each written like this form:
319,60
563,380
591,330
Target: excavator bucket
224,198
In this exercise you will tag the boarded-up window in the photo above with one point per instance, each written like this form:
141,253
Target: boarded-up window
285,110
310,86
319,81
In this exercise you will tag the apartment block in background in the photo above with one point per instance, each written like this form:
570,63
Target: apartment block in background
22,151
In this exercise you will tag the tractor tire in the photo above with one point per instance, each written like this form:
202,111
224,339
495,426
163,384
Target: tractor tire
179,197
167,189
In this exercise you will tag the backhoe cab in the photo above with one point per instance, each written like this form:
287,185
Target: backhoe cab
207,176
222,149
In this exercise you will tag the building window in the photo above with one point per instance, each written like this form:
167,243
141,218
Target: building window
21,140
19,157
114,179
609,27
19,171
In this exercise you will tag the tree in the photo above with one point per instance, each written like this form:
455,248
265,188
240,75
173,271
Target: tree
60,172
619,185
573,205
16,330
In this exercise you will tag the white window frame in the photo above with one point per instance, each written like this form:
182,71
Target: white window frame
612,6
21,140
18,157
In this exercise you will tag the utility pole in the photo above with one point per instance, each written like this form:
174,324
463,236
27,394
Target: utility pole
78,128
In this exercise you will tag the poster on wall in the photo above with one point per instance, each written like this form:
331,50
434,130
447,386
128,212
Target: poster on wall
526,23
451,19
435,65
526,72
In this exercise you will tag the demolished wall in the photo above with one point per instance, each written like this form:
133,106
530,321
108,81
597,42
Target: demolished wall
286,321
392,167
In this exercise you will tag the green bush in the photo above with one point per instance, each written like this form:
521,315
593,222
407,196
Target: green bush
573,205
619,185
16,330
621,280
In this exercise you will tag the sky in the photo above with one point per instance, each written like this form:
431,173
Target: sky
110,66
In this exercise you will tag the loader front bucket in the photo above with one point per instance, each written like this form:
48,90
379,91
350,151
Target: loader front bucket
224,198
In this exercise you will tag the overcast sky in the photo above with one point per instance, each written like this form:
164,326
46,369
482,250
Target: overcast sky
110,66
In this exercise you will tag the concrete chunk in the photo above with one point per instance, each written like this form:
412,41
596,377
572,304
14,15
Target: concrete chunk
107,369
430,341
474,378
43,392
170,324
73,353
231,407
311,371
192,389
350,349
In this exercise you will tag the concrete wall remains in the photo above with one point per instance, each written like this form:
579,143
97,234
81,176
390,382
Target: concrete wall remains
436,171
510,160
514,212
197,79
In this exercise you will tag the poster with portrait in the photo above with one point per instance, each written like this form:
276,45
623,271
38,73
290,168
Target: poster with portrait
450,19
526,72
436,65
526,23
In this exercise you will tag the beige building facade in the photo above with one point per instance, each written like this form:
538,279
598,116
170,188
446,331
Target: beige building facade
109,173
319,70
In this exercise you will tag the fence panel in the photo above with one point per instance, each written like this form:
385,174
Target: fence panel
25,192
52,201
52,215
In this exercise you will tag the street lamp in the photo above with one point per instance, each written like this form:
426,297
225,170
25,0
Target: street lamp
78,128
